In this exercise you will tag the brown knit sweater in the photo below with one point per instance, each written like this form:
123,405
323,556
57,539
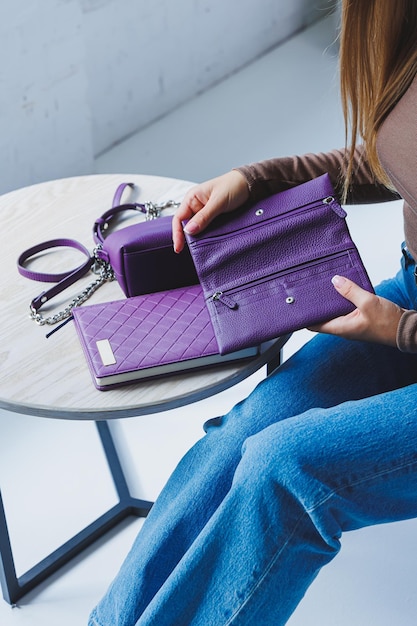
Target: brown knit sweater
397,149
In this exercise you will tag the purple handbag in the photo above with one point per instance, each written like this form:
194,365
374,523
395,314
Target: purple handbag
266,269
142,255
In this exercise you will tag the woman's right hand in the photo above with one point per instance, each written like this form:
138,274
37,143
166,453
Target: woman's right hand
204,202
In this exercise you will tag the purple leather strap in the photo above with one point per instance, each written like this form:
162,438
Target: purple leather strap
46,245
102,222
117,198
151,210
63,279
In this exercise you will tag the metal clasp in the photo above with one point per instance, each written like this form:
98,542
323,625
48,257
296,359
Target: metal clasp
153,210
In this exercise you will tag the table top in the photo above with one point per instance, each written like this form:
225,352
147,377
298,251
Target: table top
50,377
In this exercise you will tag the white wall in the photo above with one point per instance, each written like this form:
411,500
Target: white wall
45,125
77,76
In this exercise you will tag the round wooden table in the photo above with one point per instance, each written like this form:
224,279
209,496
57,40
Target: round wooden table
50,377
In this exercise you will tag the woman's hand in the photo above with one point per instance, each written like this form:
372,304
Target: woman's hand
375,318
204,202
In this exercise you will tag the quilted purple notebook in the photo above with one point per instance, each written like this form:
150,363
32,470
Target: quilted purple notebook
149,335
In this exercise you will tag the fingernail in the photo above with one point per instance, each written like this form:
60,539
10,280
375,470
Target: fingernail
191,228
338,281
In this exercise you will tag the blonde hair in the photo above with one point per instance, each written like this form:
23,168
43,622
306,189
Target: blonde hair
378,61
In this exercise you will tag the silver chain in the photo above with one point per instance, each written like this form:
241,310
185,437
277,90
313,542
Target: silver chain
105,274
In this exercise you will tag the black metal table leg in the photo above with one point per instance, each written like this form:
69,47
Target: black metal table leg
272,364
15,587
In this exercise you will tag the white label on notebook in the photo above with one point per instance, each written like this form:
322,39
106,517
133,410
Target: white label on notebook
105,351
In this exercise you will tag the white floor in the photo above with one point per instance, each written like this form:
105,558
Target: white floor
53,474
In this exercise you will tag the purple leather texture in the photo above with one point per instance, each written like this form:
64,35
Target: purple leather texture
147,331
143,258
266,269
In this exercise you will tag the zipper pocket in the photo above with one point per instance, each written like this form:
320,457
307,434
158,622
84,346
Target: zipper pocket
226,296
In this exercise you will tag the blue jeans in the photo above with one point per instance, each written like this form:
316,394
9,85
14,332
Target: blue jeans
325,444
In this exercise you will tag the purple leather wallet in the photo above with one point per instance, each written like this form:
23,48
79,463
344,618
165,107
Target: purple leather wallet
148,336
266,269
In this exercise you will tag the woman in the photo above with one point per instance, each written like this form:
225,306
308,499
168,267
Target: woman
328,442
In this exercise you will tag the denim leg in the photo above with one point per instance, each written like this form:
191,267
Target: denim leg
300,484
324,373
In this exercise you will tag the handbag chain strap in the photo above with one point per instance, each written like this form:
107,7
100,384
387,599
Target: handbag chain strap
105,274
97,265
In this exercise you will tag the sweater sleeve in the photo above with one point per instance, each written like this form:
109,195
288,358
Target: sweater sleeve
407,332
274,175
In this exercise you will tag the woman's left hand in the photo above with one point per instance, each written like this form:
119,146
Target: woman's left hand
375,318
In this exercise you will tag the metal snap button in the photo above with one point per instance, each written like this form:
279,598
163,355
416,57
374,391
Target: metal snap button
290,300
259,212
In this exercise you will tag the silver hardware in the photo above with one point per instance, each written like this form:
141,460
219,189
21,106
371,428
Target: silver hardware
328,200
105,274
290,300
217,295
259,212
153,209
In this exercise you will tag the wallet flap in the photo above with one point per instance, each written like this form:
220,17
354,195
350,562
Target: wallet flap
314,191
